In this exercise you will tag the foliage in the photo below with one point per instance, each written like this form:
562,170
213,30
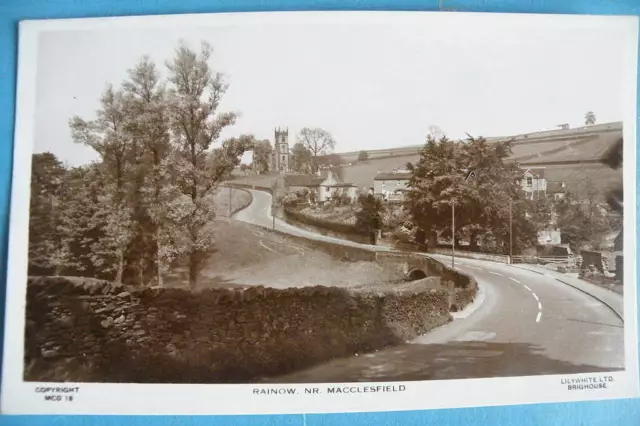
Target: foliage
262,156
369,217
300,158
363,156
483,200
589,118
148,202
317,141
583,222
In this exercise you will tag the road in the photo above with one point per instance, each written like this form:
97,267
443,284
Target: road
526,324
259,213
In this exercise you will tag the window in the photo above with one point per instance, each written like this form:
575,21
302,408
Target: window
283,158
529,181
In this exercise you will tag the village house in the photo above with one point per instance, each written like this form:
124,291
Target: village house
534,183
323,185
392,186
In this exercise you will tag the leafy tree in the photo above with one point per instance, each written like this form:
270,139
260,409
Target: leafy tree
47,185
363,156
262,152
583,222
150,152
369,217
541,211
317,141
194,99
300,158
107,135
482,199
589,118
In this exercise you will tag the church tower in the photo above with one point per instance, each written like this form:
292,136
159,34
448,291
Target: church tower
280,159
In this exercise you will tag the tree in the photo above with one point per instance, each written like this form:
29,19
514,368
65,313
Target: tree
541,212
300,158
47,185
108,136
589,118
482,199
369,217
150,152
194,99
317,141
262,152
363,156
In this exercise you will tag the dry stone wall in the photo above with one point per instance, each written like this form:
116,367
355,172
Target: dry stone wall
90,330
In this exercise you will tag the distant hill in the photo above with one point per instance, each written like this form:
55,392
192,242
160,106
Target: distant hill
570,156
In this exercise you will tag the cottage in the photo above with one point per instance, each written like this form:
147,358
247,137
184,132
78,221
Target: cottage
323,186
392,186
534,183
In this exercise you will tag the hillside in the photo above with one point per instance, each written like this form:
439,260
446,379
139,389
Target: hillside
571,156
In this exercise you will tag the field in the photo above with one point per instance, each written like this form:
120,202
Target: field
248,256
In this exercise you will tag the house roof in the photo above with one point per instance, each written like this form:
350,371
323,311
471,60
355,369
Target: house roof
342,185
392,176
539,173
304,180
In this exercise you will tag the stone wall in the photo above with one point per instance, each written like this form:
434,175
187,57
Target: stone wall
323,227
470,255
90,330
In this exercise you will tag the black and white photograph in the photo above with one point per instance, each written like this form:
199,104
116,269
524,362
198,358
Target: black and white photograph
320,212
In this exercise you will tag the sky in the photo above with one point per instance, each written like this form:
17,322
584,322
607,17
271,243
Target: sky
372,86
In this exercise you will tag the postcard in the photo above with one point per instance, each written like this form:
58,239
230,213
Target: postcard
316,212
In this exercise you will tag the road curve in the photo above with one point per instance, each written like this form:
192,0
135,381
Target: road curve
259,213
527,324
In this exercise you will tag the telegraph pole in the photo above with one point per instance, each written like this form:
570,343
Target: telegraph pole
453,232
510,230
230,198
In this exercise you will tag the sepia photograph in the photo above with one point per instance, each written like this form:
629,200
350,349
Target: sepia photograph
301,207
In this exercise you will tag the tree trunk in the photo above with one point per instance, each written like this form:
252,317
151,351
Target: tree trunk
120,270
159,280
433,240
473,241
193,272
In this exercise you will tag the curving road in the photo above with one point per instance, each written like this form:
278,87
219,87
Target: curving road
522,323
259,213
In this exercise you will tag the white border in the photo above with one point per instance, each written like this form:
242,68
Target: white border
20,397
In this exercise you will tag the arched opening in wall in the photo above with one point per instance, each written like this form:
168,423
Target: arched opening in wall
416,274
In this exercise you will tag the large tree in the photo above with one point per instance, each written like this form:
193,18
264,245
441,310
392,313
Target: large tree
300,158
318,141
152,191
47,186
475,177
369,217
194,100
589,118
262,152
108,136
363,156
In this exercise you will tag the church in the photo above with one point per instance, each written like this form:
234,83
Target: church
280,157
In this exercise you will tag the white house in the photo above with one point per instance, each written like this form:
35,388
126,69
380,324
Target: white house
323,186
534,182
392,186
